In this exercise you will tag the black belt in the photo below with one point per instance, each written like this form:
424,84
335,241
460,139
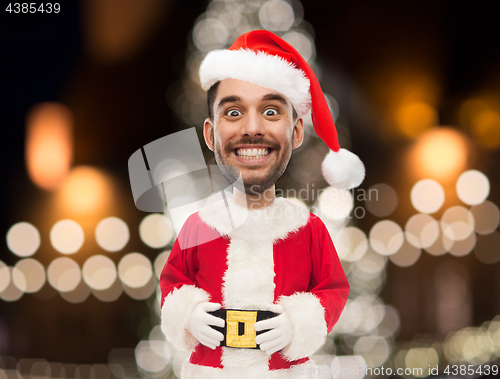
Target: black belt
238,330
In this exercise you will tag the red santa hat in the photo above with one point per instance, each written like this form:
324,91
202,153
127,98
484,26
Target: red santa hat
263,58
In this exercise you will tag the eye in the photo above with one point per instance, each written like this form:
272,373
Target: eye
270,112
234,113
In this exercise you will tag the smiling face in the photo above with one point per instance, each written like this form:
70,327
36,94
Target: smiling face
254,131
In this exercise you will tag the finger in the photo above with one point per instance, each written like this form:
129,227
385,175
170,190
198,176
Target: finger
270,347
210,307
270,323
274,349
276,308
214,320
208,345
267,336
212,333
208,341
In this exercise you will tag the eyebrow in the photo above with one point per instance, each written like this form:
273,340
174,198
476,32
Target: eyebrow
237,99
228,99
275,96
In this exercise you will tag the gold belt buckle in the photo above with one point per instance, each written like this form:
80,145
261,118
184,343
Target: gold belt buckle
247,339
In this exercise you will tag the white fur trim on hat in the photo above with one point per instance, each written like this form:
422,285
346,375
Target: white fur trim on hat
269,71
175,314
343,169
309,325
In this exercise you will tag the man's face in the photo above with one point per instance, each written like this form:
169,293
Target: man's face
253,130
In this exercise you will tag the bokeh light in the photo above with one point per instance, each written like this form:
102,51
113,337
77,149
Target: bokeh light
210,34
86,190
159,263
440,246
351,244
390,323
463,247
112,234
335,204
421,359
440,153
77,295
99,272
152,356
381,200
135,270
28,275
485,127
371,264
114,32
67,236
276,15
23,239
427,196
374,349
64,274
11,292
457,223
347,362
4,276
472,345
486,216
414,118
386,237
302,43
422,230
49,144
109,294
473,187
156,231
142,293
406,256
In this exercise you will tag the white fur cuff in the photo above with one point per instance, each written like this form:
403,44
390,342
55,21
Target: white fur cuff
309,325
175,314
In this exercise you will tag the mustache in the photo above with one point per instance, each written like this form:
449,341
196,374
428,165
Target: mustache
252,141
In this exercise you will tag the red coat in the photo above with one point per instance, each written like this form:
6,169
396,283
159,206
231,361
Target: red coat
282,254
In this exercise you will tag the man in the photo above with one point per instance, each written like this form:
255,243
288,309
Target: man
279,257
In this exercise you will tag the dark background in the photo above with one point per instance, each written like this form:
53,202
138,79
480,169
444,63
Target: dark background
120,106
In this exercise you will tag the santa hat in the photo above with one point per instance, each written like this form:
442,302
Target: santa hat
261,57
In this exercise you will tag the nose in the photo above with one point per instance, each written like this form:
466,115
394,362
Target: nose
253,125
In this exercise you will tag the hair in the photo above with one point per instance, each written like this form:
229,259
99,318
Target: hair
212,94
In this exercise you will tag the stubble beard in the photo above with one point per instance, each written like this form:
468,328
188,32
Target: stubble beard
254,185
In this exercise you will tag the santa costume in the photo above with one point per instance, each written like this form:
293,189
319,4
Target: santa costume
279,254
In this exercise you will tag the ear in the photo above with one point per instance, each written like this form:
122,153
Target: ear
208,133
298,135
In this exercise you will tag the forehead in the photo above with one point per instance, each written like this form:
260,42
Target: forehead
245,90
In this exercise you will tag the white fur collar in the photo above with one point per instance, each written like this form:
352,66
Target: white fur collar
256,226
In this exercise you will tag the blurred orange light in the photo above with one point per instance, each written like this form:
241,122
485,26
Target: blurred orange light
86,190
440,154
415,118
49,147
486,128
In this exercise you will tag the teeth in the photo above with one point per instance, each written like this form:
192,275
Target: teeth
252,153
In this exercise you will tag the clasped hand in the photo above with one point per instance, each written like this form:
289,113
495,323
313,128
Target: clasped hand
276,338
200,321
280,333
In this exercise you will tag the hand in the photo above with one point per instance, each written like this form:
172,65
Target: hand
200,321
281,332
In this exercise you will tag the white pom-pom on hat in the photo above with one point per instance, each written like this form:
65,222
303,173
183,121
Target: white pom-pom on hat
343,169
